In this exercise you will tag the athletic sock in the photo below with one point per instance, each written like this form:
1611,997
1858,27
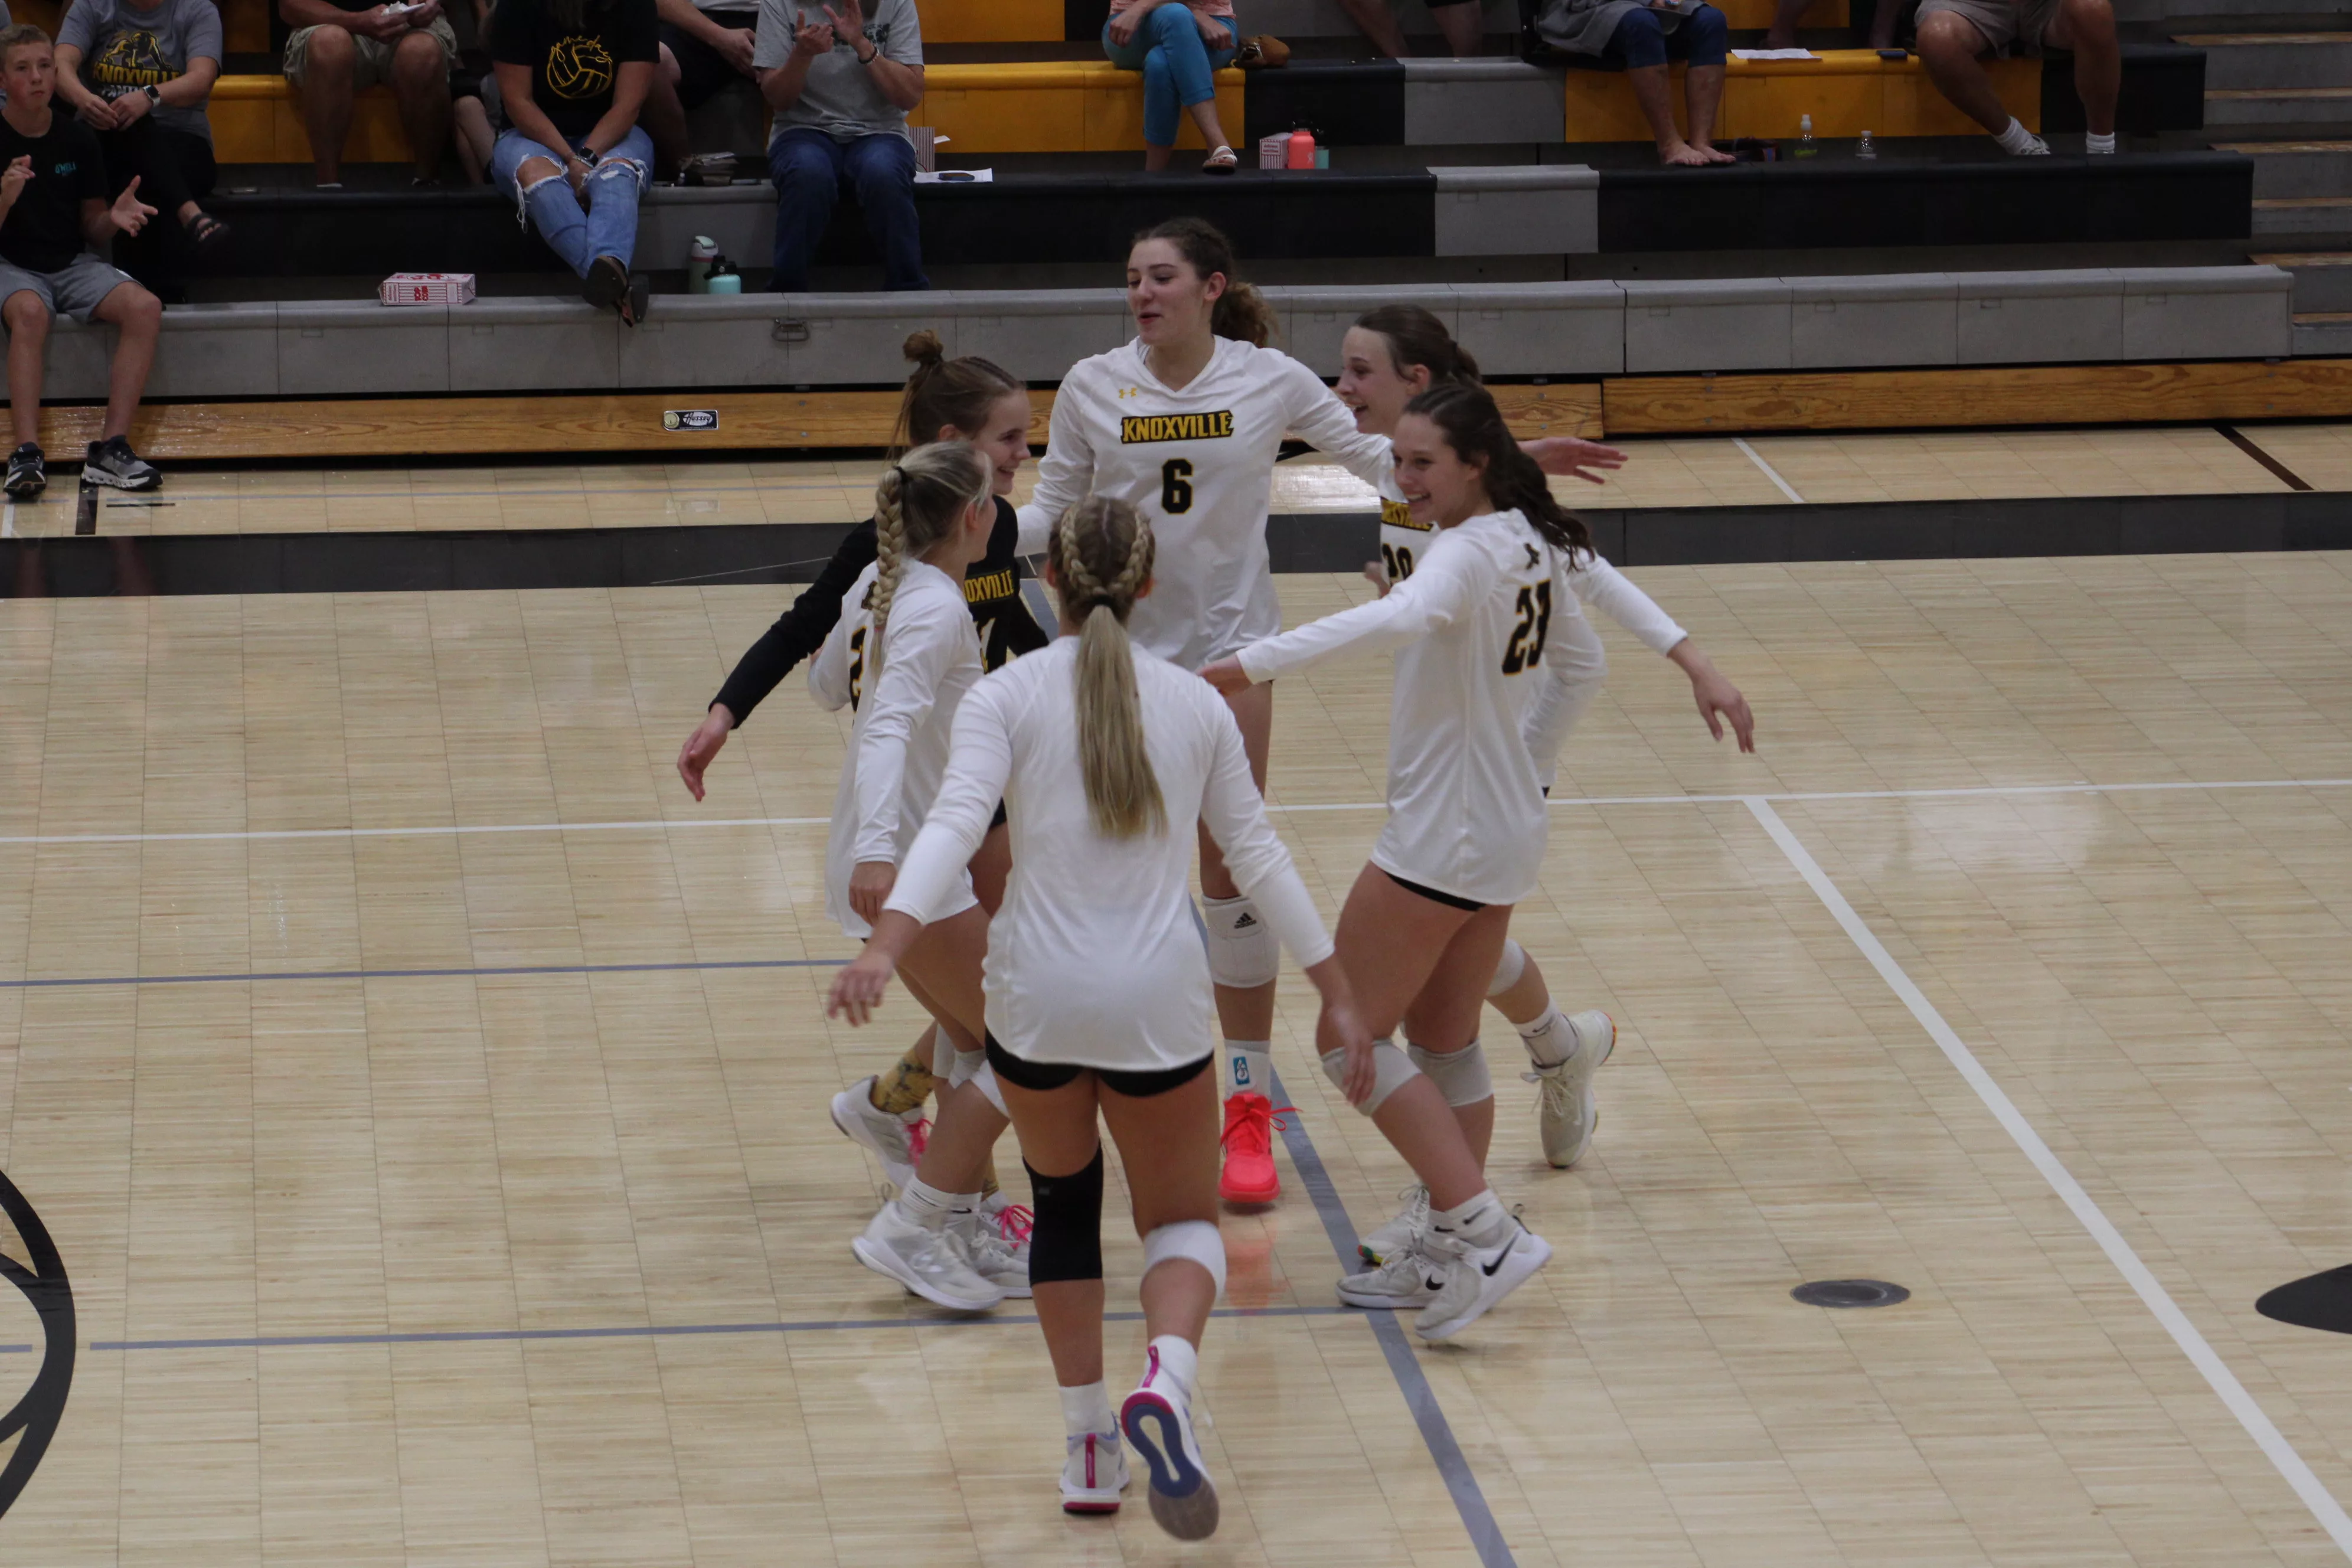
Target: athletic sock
1550,1040
1482,1222
1178,1360
2096,143
2018,141
1087,1408
1249,1068
908,1082
926,1205
989,1186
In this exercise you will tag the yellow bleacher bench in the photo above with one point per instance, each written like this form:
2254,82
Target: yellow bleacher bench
1847,92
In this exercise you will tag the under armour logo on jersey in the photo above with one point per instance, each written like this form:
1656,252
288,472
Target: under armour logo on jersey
1130,391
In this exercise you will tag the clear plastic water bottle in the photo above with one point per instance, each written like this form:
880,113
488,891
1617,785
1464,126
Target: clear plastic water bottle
1868,148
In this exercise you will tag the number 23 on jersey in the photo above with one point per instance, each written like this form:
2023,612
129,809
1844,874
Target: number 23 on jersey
1525,650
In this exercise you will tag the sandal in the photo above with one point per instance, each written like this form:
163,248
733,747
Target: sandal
205,231
1221,161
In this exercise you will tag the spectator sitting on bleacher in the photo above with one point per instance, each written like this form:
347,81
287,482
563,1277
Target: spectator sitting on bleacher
138,73
710,43
840,87
1179,46
1641,39
573,74
339,48
1461,23
53,215
1955,34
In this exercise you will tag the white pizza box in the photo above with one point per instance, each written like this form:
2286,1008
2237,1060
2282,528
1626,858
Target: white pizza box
426,288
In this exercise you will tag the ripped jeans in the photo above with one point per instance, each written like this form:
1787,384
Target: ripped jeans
607,226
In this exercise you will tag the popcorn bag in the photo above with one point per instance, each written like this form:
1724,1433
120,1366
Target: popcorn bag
426,288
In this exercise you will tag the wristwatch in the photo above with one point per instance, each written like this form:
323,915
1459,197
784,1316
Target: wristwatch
587,155
154,94
867,59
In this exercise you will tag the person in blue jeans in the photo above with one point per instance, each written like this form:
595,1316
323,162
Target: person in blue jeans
1179,46
840,84
573,74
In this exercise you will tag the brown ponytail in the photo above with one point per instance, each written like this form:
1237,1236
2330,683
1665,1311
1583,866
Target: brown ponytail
1242,312
1416,337
1101,555
1473,427
955,393
917,504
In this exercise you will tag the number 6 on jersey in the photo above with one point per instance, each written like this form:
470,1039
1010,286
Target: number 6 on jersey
1176,485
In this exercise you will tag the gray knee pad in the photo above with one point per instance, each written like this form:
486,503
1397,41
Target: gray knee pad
1391,1070
1460,1076
1242,950
1196,1239
1507,970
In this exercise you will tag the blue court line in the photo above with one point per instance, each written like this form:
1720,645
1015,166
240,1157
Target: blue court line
649,1332
1444,1451
427,974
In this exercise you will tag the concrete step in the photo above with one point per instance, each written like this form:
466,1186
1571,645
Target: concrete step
2322,279
2242,60
2277,106
2303,215
2324,336
2285,170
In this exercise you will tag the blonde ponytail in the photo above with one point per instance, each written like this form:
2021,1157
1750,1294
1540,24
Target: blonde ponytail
1102,554
919,500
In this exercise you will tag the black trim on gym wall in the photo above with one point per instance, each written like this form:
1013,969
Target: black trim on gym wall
1083,20
1345,103
2163,89
2017,201
45,1286
1093,217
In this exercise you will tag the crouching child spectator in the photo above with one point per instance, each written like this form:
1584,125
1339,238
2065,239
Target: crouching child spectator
139,72
54,215
573,74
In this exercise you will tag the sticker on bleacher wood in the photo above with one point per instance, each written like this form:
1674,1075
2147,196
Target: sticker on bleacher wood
689,420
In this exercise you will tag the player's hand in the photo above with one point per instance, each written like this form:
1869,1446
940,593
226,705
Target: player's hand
16,177
1228,677
1719,702
703,745
1377,577
811,41
1338,1028
869,888
859,985
128,213
1575,458
1123,28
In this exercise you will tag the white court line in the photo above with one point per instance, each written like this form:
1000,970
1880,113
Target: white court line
2224,1383
659,825
1770,472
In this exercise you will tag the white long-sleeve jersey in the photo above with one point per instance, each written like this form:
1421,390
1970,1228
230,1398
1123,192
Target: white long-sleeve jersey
898,739
1578,658
1094,959
1200,464
1472,629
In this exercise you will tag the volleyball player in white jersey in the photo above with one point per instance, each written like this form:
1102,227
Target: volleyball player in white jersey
903,658
1185,423
1097,986
1389,356
1424,926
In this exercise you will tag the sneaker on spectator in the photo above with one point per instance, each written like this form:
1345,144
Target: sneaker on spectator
112,462
28,475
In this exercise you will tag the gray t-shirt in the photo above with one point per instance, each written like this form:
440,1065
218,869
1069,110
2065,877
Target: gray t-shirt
840,97
124,48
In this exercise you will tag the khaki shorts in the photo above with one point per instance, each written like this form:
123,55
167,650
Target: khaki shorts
2010,26
370,58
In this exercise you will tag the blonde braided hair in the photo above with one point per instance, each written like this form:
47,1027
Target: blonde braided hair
918,502
1101,552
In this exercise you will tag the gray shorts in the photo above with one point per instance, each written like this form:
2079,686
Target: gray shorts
2010,26
75,291
370,58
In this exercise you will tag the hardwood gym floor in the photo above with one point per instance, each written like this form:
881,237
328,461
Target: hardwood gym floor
503,1224
1668,471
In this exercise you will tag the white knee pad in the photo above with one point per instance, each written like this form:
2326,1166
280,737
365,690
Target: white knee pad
1391,1070
943,1056
995,1091
1507,970
971,1067
1460,1076
1196,1239
1242,950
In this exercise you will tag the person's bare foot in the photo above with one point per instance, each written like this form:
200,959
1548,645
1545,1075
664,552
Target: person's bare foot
1711,152
1680,154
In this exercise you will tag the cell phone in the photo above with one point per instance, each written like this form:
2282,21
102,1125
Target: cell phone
1894,54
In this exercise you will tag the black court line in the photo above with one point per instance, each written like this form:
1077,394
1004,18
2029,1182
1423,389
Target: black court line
2244,443
1436,1432
424,974
34,1419
651,1331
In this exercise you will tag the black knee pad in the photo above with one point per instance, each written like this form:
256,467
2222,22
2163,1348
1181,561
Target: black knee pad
1067,1243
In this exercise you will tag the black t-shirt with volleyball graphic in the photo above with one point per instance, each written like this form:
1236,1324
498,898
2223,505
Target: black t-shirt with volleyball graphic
574,59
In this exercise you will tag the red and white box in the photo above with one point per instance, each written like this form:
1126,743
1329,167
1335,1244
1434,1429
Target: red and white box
426,288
